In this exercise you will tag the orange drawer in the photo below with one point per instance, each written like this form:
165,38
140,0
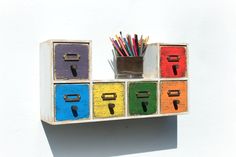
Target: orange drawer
173,96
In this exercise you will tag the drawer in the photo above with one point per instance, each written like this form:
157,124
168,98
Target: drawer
173,96
173,62
72,101
142,98
71,60
108,100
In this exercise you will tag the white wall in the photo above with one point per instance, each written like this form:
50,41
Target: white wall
208,26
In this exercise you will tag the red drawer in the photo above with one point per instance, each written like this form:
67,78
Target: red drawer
173,62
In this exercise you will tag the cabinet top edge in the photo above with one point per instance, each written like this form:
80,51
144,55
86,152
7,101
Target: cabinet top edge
52,41
173,44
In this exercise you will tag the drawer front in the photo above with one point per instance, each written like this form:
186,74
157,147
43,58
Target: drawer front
72,101
173,61
142,98
108,100
173,96
71,60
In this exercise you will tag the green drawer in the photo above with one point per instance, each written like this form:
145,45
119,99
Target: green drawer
142,98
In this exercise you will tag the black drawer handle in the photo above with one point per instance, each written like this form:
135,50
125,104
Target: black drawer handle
72,97
109,96
73,70
173,93
143,94
111,108
173,58
176,103
174,68
144,105
71,57
74,110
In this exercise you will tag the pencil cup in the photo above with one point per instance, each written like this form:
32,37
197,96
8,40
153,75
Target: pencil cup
129,67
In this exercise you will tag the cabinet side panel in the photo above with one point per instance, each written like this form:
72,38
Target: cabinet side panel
150,62
46,88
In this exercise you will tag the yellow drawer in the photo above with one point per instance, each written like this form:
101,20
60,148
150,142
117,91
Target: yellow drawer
108,100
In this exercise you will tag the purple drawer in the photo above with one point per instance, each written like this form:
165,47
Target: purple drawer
71,60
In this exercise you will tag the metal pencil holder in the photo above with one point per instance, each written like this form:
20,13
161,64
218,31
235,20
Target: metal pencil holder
129,67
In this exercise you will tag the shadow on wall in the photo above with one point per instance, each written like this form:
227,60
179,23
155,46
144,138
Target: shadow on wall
112,138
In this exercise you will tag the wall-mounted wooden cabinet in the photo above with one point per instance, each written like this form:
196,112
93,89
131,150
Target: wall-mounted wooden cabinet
69,95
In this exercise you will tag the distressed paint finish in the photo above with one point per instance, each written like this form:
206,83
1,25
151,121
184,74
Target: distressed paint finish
148,98
167,101
63,68
166,66
64,108
100,106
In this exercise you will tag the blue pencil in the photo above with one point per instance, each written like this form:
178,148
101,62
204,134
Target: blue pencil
127,45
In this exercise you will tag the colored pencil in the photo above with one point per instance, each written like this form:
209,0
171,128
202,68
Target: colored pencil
135,48
117,44
136,43
116,47
128,46
122,45
141,47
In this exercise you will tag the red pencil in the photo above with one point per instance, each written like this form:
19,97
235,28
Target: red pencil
122,45
134,45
